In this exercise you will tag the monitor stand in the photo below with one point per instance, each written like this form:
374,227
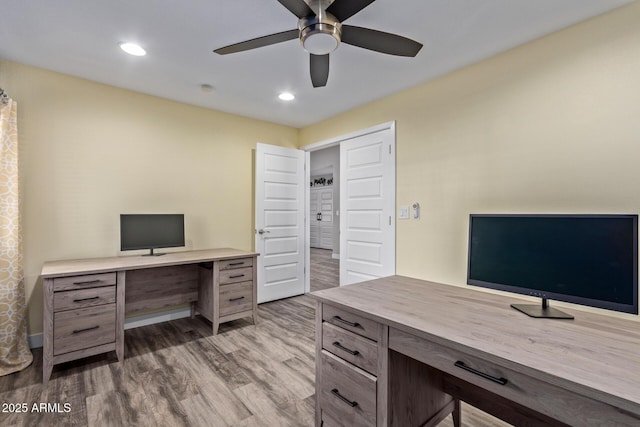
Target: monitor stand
543,310
151,253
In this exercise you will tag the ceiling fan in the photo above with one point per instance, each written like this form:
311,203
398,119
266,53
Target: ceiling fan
321,31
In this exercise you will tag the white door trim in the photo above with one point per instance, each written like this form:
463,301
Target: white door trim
307,223
338,139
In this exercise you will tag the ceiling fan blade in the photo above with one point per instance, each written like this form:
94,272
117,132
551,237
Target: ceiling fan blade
380,41
345,9
319,67
258,42
297,7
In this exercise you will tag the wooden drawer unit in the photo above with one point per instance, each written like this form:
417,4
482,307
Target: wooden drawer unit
81,298
235,298
83,282
236,263
347,393
236,275
348,351
227,291
353,348
84,327
352,322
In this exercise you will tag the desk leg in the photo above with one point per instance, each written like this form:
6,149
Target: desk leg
47,335
120,309
215,303
457,420
318,353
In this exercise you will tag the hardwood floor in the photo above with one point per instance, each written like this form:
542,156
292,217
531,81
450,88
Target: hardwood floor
325,271
178,374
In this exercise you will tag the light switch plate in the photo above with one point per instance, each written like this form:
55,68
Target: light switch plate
403,212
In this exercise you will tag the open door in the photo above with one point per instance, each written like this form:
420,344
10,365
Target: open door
280,231
367,204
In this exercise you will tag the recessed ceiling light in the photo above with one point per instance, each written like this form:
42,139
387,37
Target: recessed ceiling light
286,96
133,49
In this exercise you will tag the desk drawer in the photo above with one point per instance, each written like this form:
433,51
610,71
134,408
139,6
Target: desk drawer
236,298
540,396
353,348
236,275
347,393
236,263
83,282
81,298
352,322
83,328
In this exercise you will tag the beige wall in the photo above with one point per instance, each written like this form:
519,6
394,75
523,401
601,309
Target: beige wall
552,126
90,152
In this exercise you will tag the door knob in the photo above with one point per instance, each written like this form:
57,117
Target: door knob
262,231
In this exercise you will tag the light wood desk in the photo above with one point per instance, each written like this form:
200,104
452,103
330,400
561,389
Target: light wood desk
85,300
421,345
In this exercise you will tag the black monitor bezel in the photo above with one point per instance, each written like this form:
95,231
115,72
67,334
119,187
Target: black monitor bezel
141,247
608,305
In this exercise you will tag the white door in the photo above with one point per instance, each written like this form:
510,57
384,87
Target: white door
280,221
321,218
367,204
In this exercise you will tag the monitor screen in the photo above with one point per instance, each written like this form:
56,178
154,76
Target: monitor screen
149,231
583,259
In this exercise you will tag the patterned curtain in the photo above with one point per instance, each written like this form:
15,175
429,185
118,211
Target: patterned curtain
14,348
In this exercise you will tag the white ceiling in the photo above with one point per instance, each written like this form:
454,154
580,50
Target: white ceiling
80,38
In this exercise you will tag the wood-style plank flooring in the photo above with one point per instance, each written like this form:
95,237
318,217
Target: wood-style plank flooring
178,374
325,271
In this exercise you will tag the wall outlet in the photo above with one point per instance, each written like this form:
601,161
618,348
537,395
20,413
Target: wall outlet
403,212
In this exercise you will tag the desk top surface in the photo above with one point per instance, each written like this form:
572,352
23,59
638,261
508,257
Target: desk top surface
99,265
594,354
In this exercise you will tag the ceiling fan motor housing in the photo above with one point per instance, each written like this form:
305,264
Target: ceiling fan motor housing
320,34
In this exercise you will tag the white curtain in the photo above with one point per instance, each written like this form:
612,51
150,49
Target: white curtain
14,348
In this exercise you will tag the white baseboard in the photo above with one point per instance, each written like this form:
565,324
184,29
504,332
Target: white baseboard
335,255
35,340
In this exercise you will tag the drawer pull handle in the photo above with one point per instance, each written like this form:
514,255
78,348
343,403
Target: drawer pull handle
77,331
236,276
351,403
346,322
85,299
352,352
236,263
461,364
236,299
88,282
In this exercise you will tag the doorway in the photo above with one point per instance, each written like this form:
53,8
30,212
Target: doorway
324,223
364,209
364,218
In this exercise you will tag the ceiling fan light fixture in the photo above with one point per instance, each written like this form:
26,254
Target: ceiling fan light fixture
320,35
320,39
